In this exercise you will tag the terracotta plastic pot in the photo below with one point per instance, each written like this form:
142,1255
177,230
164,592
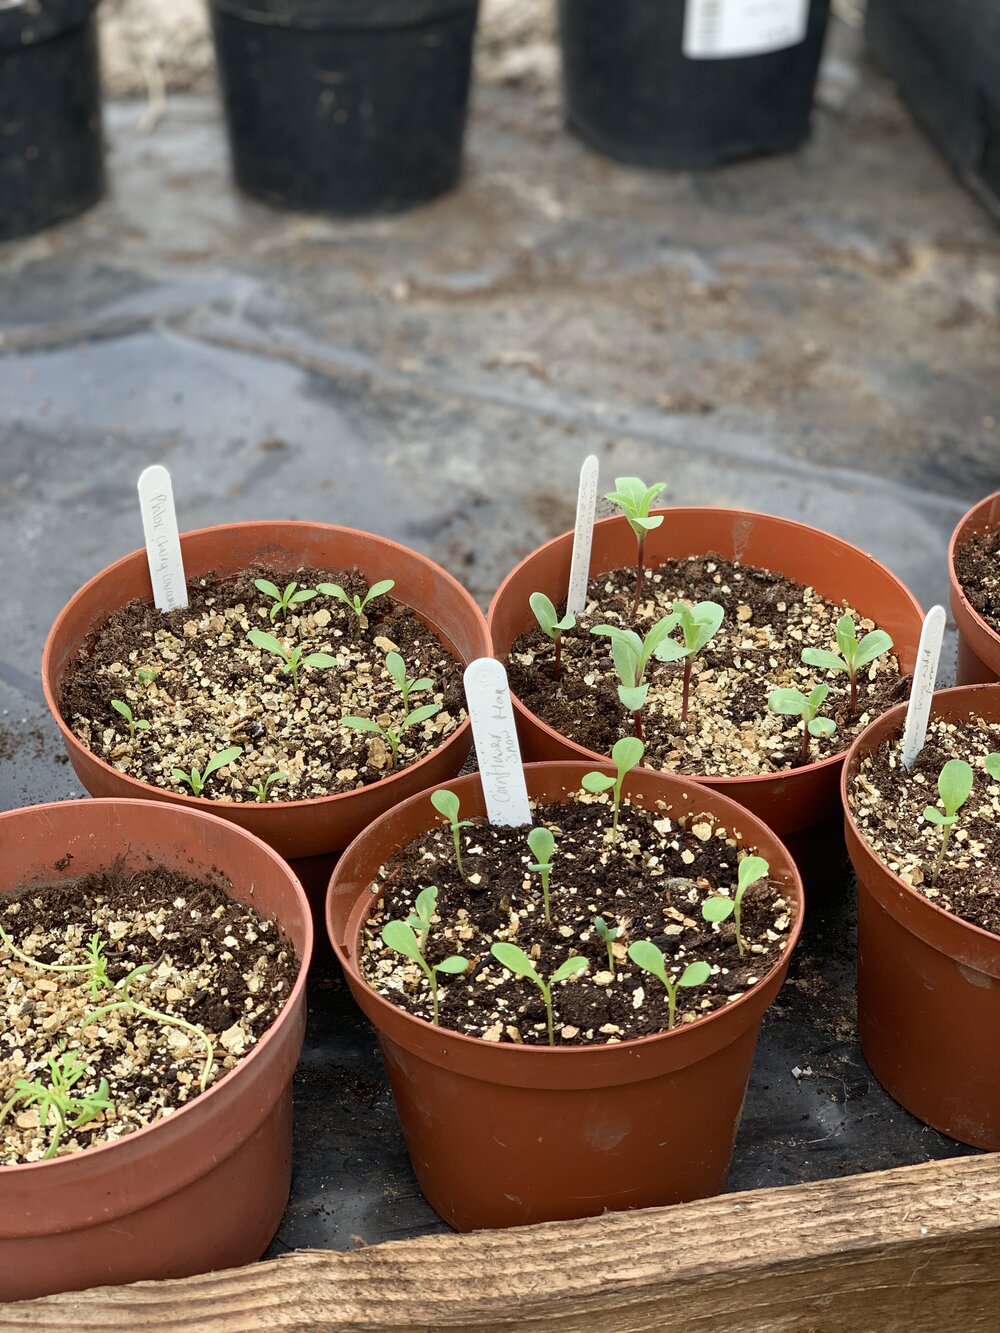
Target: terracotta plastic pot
789,802
294,828
501,1135
978,643
207,1187
928,982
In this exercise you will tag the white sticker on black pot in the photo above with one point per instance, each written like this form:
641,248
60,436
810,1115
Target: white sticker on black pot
163,547
722,29
497,750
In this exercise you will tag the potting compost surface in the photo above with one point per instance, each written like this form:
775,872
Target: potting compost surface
977,564
813,335
729,727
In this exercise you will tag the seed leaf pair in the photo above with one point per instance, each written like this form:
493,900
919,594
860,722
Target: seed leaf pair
793,703
409,938
292,658
625,754
517,961
853,655
752,869
649,958
357,604
550,624
634,498
196,779
293,595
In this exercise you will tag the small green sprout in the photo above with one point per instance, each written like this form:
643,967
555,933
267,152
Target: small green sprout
57,1104
852,656
261,790
357,604
134,724
542,845
145,675
550,624
392,734
283,601
625,754
608,934
719,908
992,765
291,657
196,780
96,965
634,498
647,956
446,803
631,657
399,936
406,685
517,961
954,788
699,625
793,703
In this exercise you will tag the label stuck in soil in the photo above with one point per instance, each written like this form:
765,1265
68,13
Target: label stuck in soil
922,689
583,536
163,546
722,29
497,749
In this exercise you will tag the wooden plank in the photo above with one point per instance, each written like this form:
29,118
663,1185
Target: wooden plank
912,1250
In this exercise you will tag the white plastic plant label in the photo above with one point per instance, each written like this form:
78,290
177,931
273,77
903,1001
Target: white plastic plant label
922,690
487,697
722,29
163,547
583,536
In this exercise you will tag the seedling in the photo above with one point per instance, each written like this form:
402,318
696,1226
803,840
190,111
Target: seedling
291,657
625,754
517,961
262,789
399,936
96,965
357,604
196,780
608,934
634,498
406,685
631,657
392,734
992,765
446,803
793,703
134,724
720,908
954,787
699,625
646,955
542,845
852,656
550,624
145,675
283,601
57,1104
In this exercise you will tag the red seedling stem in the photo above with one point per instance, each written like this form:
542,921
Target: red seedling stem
854,695
688,663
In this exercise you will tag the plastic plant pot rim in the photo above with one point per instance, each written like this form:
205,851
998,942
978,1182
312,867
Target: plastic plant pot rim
99,1152
985,640
446,1038
344,16
267,809
933,920
721,781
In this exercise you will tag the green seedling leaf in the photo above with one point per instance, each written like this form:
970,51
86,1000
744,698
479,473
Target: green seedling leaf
548,617
992,765
597,782
717,908
320,660
446,803
542,845
646,955
453,965
396,668
357,604
822,726
361,724
824,660
695,974
853,655
633,698
419,715
634,498
625,753
397,935
121,707
568,969
221,759
267,643
954,788
793,703
262,789
515,960
752,869
608,935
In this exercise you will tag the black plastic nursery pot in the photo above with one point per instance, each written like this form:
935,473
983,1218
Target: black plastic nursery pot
345,106
686,84
51,150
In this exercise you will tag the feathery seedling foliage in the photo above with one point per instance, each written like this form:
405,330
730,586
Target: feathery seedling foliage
262,790
625,754
699,625
446,803
517,961
292,658
550,624
752,869
793,703
631,655
608,934
542,844
647,956
400,937
634,498
134,724
357,604
60,1109
406,685
196,779
852,655
283,601
954,788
